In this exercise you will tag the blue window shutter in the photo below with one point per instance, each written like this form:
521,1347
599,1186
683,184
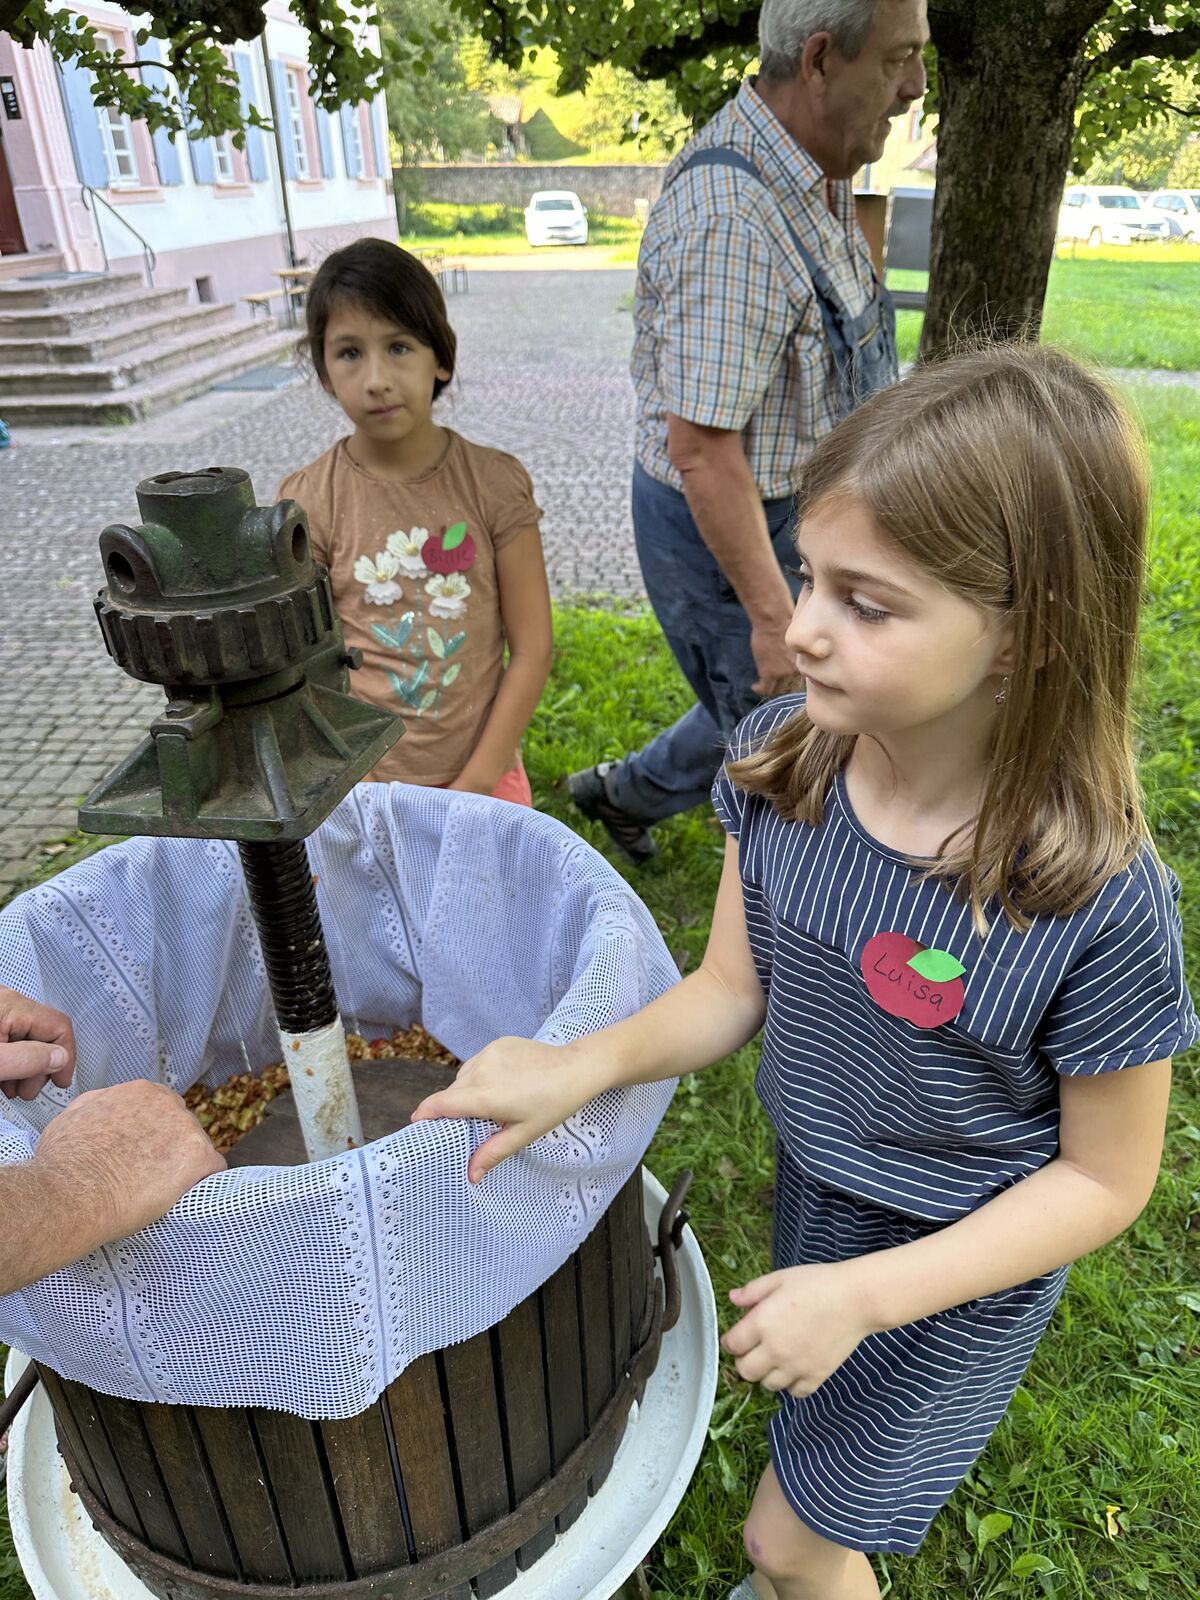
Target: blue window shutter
325,140
204,162
83,126
256,155
166,157
279,79
353,165
377,117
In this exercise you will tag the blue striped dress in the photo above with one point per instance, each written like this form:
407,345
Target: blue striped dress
900,1104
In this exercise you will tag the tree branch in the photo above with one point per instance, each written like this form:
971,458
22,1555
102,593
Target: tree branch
1180,44
718,34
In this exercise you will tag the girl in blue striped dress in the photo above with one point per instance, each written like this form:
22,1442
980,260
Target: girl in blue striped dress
941,905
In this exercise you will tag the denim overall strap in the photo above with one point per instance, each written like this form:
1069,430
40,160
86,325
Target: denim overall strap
863,344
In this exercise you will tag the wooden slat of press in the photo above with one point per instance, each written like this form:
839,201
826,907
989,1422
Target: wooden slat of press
639,1253
131,1446
520,1374
237,1467
183,1462
423,1451
360,1464
595,1309
296,1470
478,1448
563,1376
60,1401
617,1223
114,1491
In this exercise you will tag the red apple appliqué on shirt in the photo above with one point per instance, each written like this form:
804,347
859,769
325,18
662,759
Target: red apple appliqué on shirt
452,551
909,981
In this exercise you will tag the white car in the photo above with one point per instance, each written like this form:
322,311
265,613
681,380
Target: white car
556,216
1181,207
1108,214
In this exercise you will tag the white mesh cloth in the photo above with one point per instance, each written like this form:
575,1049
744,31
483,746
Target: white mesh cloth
310,1288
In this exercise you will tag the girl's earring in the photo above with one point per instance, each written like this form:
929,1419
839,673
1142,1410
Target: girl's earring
1002,693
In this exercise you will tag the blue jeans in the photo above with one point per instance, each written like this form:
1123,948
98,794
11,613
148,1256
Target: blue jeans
709,635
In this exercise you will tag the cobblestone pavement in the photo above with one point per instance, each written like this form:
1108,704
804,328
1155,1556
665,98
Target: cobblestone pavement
543,372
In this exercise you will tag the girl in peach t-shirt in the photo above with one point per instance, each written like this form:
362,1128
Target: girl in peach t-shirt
432,542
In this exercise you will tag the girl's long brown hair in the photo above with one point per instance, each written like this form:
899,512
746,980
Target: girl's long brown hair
1016,479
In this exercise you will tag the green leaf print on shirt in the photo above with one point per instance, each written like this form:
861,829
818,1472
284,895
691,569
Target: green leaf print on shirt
410,636
395,638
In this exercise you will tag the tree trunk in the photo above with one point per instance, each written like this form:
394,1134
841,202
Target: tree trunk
1008,79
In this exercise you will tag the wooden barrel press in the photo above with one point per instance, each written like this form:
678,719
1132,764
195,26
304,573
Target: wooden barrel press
457,1478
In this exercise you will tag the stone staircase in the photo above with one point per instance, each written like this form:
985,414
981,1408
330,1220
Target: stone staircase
101,347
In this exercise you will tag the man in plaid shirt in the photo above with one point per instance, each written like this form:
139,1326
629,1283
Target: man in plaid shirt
754,287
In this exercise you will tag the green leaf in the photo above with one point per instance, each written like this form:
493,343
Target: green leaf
939,966
1189,1298
454,536
427,699
1025,1566
994,1526
454,641
450,674
436,643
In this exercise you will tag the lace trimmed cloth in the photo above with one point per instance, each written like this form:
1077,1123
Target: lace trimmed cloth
310,1288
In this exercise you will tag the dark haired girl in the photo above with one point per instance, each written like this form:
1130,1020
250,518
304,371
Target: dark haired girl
432,542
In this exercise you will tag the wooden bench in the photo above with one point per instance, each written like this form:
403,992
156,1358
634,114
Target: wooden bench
261,301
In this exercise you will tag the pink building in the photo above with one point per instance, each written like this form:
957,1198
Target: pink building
83,188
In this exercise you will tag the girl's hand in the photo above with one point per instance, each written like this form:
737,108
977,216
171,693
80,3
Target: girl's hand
528,1088
800,1326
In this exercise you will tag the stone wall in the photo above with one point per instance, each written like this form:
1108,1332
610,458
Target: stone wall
611,189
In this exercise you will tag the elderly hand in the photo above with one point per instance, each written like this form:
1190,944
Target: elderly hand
37,1046
126,1153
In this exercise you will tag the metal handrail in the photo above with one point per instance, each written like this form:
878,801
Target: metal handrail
148,255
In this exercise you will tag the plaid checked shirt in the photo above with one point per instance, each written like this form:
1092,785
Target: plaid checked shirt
727,329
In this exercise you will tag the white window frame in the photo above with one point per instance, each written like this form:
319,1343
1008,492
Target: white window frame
223,158
296,122
116,136
359,165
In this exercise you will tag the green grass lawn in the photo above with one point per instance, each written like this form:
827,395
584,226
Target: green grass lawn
1090,1490
1133,307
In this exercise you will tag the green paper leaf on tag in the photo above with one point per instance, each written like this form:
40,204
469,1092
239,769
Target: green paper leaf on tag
938,966
454,536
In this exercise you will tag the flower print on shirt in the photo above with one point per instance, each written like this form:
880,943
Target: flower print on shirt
448,594
379,576
406,547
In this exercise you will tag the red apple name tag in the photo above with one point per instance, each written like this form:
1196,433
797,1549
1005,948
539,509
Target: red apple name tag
909,981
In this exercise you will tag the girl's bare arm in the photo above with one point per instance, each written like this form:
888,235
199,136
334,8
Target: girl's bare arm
529,1088
1110,1147
525,614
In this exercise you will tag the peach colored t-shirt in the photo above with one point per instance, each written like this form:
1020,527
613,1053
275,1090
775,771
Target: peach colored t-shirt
413,569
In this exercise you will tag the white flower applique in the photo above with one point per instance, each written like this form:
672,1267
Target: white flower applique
448,594
406,547
379,575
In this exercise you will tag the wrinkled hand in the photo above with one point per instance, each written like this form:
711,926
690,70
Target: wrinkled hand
800,1325
37,1046
129,1152
773,661
526,1087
